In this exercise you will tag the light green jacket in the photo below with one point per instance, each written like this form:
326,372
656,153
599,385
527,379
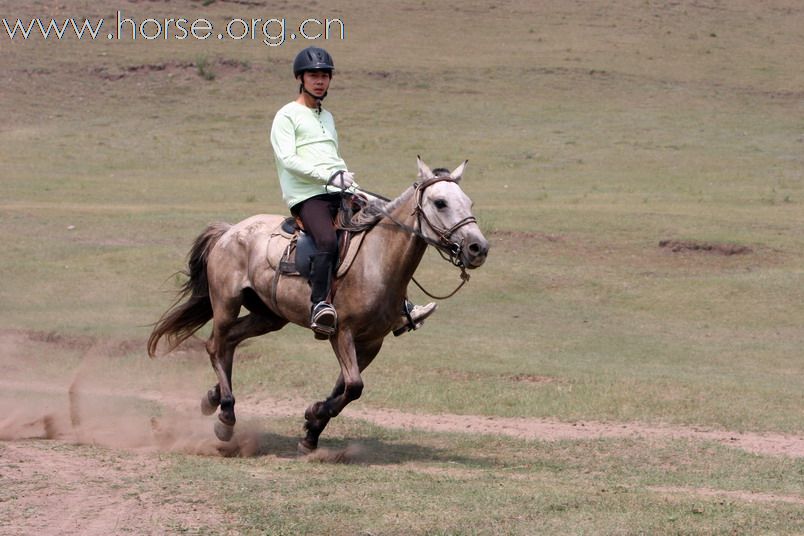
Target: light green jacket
305,147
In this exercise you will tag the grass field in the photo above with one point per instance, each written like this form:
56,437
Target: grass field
594,131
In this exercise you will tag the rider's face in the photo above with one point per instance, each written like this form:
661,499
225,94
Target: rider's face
316,82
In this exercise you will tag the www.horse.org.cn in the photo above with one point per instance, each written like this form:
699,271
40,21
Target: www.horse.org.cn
272,31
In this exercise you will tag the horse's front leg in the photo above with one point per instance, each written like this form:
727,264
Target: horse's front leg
316,418
349,387
353,360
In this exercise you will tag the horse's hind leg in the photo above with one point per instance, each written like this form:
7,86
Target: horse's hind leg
221,348
221,356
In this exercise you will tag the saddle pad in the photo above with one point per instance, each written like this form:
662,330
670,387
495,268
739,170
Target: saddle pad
278,244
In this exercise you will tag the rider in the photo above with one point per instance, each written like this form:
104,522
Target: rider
313,176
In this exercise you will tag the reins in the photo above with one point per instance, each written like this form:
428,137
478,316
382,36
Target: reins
464,278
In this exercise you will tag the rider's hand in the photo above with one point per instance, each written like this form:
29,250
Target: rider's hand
342,179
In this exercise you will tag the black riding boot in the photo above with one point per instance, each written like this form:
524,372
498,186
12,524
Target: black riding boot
323,318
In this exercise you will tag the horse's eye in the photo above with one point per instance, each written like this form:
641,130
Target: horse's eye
440,204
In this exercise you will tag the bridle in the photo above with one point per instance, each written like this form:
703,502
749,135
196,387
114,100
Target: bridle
446,247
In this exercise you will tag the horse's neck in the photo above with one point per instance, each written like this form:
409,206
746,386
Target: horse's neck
400,251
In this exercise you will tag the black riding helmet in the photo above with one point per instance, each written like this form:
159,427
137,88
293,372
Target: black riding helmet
313,59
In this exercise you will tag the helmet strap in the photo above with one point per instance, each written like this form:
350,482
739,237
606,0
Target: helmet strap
317,99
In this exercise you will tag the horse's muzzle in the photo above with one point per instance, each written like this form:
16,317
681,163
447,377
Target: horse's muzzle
474,252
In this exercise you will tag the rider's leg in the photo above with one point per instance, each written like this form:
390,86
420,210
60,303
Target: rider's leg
323,318
316,213
413,316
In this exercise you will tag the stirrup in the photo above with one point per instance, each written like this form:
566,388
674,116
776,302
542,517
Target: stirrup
415,314
323,320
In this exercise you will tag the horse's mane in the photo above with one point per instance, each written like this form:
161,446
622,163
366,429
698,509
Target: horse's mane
371,212
374,209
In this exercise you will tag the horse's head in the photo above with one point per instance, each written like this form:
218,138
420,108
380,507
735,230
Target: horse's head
445,216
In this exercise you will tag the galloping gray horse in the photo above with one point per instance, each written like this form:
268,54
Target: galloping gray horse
229,268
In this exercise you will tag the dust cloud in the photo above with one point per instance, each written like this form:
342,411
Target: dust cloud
114,398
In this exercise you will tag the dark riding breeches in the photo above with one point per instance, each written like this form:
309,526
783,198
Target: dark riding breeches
317,215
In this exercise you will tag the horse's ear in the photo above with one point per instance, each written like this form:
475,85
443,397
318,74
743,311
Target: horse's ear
424,171
458,172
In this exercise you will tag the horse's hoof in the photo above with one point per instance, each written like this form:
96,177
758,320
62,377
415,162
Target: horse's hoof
207,407
303,448
223,431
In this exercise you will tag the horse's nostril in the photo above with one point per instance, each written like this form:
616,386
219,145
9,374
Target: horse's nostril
478,248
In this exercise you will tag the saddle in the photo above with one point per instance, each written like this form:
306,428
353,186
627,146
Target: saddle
290,250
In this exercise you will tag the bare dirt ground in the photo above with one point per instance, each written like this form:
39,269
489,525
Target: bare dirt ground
65,492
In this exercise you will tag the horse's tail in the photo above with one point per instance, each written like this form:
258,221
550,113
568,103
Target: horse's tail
181,320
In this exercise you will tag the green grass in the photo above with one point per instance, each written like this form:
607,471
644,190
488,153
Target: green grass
459,484
593,133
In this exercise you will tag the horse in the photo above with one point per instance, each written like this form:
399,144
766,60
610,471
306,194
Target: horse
229,268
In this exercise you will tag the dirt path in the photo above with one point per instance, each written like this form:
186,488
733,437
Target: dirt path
92,407
552,430
100,400
539,429
182,429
